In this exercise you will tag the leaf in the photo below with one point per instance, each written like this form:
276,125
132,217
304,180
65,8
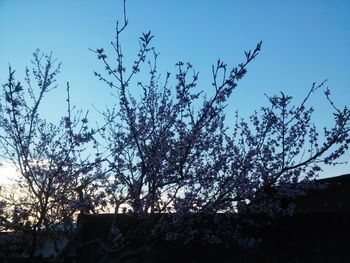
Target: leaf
18,87
146,37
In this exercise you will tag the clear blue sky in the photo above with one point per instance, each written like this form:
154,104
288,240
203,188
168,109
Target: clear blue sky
303,42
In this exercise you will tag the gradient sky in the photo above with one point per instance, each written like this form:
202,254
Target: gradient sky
303,42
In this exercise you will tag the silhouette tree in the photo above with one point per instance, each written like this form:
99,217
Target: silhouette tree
55,179
170,150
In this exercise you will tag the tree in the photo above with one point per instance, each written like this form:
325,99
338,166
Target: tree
169,150
56,179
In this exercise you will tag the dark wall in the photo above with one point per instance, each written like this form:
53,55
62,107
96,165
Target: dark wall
333,196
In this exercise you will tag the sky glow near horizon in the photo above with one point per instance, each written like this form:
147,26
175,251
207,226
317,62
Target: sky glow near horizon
303,42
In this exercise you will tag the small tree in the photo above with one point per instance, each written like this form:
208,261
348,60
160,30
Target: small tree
55,179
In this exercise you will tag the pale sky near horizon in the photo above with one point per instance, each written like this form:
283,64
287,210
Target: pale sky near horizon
303,42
